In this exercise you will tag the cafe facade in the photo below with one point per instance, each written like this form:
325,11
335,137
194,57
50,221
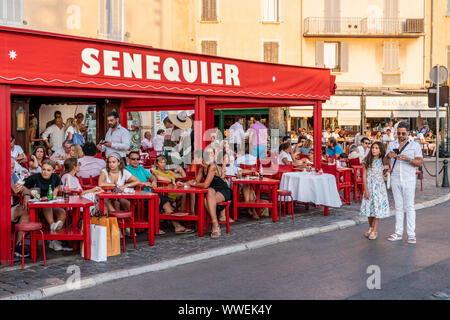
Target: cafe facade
38,68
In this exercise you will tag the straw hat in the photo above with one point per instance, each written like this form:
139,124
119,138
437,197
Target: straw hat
181,120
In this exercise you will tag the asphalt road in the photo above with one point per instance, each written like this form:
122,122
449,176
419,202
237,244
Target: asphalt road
332,265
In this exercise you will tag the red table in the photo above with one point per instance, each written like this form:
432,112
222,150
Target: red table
153,208
71,233
271,183
198,216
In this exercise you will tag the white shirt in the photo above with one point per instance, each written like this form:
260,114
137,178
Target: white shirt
363,154
237,134
388,138
283,155
71,130
325,136
56,136
120,141
17,151
146,144
158,143
335,135
403,171
247,159
90,166
122,178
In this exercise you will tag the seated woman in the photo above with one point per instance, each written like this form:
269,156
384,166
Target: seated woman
44,180
218,190
286,156
307,146
115,175
76,151
71,168
37,159
164,175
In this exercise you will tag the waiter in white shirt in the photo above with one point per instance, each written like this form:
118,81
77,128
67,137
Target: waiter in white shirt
404,157
237,136
117,138
56,134
364,149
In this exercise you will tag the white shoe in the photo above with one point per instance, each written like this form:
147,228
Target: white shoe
56,226
55,245
127,232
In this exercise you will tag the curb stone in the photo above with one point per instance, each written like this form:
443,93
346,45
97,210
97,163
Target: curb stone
115,275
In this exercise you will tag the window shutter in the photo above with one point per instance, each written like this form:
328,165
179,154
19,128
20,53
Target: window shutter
209,47
319,54
209,9
343,57
271,52
391,56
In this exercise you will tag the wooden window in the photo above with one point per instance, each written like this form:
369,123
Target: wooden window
391,23
332,55
271,10
209,47
11,13
209,10
111,19
271,51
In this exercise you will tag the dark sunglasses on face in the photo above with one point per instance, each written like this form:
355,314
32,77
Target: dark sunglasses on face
402,133
135,159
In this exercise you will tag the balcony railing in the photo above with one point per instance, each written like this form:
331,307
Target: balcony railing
363,27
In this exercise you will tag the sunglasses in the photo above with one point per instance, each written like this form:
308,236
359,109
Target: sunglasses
135,159
402,133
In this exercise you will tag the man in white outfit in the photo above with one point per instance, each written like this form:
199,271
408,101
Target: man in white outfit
237,136
407,155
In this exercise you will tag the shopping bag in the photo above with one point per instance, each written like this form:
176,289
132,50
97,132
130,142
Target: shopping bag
115,237
98,243
112,233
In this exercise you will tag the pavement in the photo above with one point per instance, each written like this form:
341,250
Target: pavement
170,250
341,264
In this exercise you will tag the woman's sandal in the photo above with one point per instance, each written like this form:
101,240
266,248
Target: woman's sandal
373,235
368,232
394,237
216,234
412,240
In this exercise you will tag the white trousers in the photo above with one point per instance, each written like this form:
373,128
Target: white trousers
404,193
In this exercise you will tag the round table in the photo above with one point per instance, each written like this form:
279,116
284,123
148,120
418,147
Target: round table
311,187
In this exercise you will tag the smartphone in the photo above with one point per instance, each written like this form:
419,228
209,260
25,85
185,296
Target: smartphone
397,151
102,141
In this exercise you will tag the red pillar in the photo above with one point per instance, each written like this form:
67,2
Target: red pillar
5,175
200,122
123,116
318,134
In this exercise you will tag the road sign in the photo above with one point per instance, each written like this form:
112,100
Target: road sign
439,74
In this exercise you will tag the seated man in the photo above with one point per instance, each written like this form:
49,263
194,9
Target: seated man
150,181
17,151
62,153
146,143
333,150
19,212
89,165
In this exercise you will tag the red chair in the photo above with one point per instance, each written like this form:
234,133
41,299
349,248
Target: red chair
353,162
346,182
284,194
88,183
122,215
28,227
247,166
227,216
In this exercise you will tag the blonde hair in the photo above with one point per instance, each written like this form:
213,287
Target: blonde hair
71,123
78,151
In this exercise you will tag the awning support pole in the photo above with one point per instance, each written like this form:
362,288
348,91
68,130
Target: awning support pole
318,135
5,175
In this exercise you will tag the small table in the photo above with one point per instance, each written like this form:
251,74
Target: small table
258,203
71,233
311,187
198,216
153,208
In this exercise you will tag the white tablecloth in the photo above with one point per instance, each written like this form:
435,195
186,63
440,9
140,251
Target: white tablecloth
310,187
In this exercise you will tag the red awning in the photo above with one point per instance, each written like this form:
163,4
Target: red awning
46,59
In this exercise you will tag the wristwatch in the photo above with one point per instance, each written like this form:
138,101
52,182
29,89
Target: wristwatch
129,185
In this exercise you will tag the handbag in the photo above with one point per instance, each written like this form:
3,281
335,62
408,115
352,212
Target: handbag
98,243
77,138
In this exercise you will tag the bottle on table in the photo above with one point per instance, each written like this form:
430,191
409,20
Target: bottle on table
50,193
66,190
261,175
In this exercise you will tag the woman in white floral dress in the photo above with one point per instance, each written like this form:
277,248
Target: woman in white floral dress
375,203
